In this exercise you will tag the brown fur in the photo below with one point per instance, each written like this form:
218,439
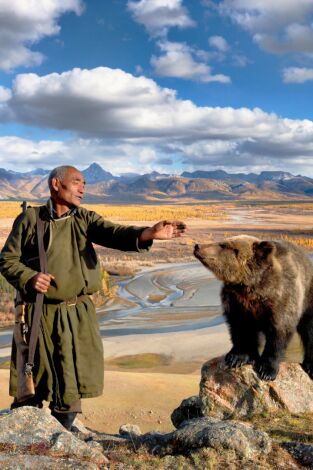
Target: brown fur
267,288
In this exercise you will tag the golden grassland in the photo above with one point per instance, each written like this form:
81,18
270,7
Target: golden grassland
134,212
158,212
9,209
306,243
150,212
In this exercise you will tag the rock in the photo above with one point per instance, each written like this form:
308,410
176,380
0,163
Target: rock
226,393
130,430
155,441
78,426
35,434
241,438
188,409
303,453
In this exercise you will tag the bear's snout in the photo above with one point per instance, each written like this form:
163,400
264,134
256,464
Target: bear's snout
205,252
197,251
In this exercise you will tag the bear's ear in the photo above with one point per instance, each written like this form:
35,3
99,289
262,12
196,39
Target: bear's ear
262,250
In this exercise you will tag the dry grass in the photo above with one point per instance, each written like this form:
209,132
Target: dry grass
198,459
158,212
299,206
286,426
10,209
306,243
135,212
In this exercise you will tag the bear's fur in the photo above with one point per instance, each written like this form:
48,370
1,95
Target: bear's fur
267,288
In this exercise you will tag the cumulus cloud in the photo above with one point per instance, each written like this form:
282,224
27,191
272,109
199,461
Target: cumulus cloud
121,116
158,16
278,26
23,23
297,74
219,43
182,61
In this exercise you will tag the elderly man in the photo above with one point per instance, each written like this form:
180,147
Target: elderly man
68,362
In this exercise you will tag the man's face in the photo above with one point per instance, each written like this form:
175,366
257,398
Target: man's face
69,192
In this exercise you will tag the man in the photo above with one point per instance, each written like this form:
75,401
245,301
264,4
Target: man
69,355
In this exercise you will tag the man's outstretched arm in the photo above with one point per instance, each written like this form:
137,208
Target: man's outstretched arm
163,230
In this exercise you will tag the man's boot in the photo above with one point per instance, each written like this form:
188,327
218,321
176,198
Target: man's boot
66,419
30,402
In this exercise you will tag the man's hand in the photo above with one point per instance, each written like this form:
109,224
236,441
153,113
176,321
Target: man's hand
41,282
164,230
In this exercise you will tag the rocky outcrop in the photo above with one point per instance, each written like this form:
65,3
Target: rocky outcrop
227,396
32,438
214,422
232,393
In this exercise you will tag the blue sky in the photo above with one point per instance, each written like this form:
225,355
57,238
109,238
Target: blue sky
166,85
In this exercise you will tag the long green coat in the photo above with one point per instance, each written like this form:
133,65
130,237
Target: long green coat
69,355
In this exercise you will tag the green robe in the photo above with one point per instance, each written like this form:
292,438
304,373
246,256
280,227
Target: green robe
69,354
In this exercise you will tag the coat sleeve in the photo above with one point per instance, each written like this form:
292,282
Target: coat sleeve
121,237
11,265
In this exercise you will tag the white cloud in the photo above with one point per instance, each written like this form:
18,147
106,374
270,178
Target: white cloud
297,74
182,61
278,26
219,43
17,152
22,154
118,117
5,94
23,23
158,16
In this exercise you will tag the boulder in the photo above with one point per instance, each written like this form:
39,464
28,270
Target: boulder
241,438
42,442
188,409
229,393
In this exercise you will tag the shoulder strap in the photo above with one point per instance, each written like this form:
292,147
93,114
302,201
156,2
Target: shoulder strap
40,235
39,297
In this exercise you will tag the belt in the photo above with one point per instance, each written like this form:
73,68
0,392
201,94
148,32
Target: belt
68,302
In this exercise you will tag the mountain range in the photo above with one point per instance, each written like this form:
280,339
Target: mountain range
103,187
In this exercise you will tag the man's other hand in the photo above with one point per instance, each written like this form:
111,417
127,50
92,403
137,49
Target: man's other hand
164,230
41,282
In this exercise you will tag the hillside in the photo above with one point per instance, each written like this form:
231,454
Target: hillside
102,186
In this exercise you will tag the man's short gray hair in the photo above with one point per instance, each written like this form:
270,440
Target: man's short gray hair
59,172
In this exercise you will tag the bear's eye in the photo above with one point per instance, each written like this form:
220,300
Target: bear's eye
223,246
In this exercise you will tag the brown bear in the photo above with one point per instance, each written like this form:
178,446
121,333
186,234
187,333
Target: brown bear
267,288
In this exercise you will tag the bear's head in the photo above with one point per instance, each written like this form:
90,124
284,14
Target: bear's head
237,260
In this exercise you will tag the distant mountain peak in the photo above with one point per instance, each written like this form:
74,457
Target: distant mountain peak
95,173
94,166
